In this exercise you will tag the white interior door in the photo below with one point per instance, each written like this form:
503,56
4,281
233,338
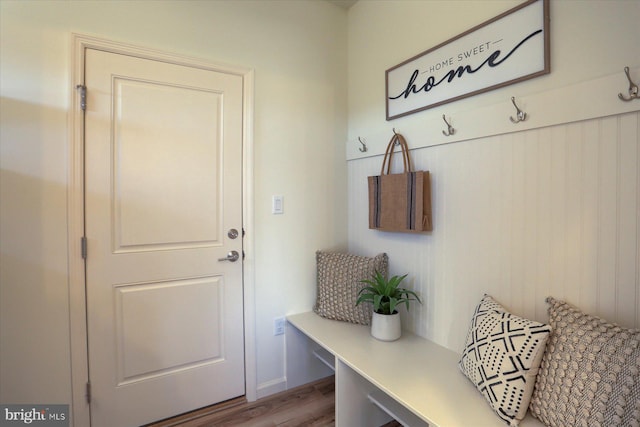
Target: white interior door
163,160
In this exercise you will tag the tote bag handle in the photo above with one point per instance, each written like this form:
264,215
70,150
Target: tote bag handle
388,155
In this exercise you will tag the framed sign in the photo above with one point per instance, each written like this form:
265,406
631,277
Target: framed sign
507,49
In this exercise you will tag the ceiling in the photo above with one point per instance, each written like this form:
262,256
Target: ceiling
343,3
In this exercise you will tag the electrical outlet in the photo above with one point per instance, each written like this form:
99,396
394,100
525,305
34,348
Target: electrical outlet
278,326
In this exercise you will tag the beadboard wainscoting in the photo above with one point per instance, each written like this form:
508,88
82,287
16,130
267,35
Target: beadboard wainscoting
521,216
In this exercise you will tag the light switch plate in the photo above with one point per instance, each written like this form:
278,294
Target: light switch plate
277,205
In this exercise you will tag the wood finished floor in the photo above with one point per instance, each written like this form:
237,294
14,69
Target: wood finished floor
310,405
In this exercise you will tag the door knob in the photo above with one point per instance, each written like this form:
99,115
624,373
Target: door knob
231,256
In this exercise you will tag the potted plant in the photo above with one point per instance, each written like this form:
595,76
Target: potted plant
385,295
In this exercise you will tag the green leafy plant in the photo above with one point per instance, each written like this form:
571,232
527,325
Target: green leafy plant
385,295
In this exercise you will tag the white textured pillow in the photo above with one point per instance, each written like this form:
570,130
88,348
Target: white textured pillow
501,357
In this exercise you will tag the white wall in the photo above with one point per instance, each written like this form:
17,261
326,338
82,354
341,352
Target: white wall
520,214
298,52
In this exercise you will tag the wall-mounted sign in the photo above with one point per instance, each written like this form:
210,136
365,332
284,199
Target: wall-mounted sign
507,49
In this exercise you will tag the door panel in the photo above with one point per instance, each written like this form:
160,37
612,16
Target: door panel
163,156
156,336
163,163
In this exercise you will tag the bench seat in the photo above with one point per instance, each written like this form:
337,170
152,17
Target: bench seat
413,379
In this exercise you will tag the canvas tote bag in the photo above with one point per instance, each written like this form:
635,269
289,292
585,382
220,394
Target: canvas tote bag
402,201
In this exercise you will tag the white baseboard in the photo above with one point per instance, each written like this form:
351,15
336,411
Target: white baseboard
271,387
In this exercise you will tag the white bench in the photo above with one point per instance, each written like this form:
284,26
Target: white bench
412,380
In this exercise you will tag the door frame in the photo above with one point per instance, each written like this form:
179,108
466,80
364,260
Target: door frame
80,415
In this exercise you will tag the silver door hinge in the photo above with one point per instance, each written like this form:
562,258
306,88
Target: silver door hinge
88,392
83,96
83,247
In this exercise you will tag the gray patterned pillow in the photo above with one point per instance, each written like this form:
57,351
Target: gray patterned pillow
339,276
590,373
501,357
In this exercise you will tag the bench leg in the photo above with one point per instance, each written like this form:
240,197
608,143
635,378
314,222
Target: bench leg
302,367
353,408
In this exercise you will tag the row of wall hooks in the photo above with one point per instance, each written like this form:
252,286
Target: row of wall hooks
521,115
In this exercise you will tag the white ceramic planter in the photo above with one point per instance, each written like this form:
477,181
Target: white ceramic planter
386,327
